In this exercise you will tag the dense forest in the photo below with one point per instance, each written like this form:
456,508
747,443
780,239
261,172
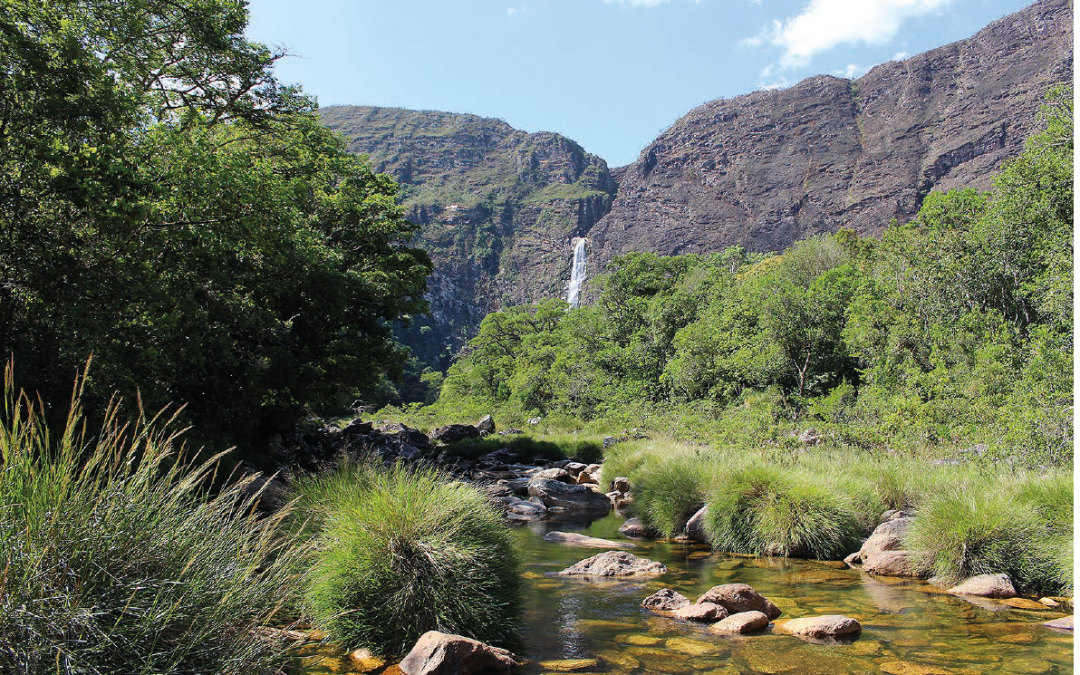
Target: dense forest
172,210
952,331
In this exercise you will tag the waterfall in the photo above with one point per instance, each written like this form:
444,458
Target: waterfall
577,272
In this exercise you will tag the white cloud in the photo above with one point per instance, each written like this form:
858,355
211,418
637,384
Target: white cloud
852,71
900,56
514,11
825,24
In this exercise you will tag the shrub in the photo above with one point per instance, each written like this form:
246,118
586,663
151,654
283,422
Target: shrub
116,561
409,553
669,491
767,511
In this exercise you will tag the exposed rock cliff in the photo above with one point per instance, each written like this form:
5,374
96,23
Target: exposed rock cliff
772,167
496,206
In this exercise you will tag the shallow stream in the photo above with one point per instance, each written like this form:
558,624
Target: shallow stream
909,627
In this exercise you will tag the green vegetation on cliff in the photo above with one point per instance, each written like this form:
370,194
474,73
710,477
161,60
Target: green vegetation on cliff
951,332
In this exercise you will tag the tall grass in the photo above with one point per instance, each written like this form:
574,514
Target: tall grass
410,552
116,559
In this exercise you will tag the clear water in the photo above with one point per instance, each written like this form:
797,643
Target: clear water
909,628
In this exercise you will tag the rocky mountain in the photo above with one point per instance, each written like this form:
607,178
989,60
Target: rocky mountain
772,167
498,207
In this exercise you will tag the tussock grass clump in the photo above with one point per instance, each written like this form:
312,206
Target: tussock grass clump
408,553
669,491
115,560
966,531
771,511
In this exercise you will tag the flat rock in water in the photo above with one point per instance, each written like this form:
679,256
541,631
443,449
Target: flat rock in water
986,586
890,564
741,623
705,612
1064,623
737,598
666,600
574,539
615,564
827,626
438,653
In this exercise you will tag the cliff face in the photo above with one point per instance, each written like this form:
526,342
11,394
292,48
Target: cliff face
496,207
767,169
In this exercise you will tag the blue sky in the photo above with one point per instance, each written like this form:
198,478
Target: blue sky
610,74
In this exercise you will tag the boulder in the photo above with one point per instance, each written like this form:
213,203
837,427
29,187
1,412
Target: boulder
454,432
621,484
705,612
486,425
581,540
524,508
574,468
695,527
636,527
500,456
891,564
1064,623
986,586
819,627
586,478
438,653
577,497
357,427
737,598
853,559
615,564
665,600
554,473
887,536
741,623
535,420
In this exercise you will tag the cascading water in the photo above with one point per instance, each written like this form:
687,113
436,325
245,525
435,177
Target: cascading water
577,272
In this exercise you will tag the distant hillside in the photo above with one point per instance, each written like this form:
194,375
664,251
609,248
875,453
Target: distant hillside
497,207
773,167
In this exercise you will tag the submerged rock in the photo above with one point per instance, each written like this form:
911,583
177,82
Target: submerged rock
615,564
818,627
574,539
1064,623
986,586
666,600
438,653
737,598
741,623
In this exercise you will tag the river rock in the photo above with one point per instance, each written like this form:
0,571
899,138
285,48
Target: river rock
741,623
737,598
576,497
636,527
615,564
818,627
574,468
581,540
705,612
438,653
695,527
486,425
454,432
887,536
665,600
554,473
621,484
986,586
1064,623
891,564
529,508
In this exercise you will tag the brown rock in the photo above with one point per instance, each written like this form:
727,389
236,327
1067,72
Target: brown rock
891,564
887,536
635,527
853,558
666,600
986,586
737,598
818,627
615,564
705,612
741,623
438,653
